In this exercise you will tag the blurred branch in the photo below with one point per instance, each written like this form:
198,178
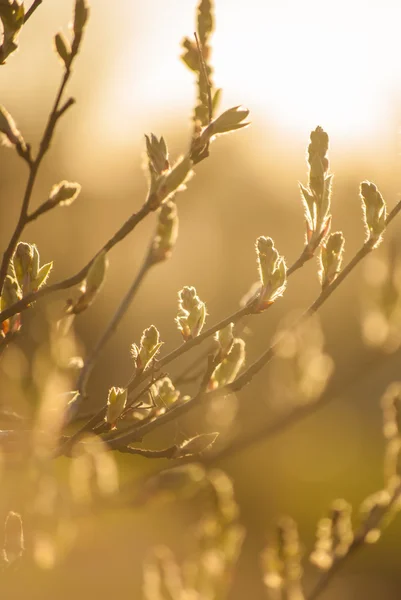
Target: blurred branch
372,522
268,430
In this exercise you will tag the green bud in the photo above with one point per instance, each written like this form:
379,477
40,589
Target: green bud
225,340
164,392
150,344
64,193
191,313
196,445
230,120
374,212
9,129
166,232
230,366
116,401
91,285
157,154
331,257
272,273
62,47
26,264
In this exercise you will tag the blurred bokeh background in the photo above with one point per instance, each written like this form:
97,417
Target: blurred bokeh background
295,65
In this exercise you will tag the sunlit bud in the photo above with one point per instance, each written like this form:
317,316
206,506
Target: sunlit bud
116,401
196,445
230,366
331,258
63,47
64,193
91,285
230,120
225,340
167,184
149,346
12,13
191,313
166,233
13,538
164,392
318,147
272,272
374,212
26,262
157,154
9,129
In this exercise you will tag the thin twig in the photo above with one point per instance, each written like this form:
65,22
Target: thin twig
65,284
33,171
176,411
32,9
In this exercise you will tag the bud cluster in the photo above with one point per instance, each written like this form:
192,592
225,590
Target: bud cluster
191,313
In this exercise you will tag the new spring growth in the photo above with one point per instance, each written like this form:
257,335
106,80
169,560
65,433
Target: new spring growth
331,257
316,198
164,393
229,367
374,212
230,120
91,285
116,401
164,179
12,15
281,562
148,348
63,194
9,130
29,274
166,233
334,535
272,273
191,313
225,340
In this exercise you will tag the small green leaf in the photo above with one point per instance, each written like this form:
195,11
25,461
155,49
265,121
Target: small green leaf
43,275
64,193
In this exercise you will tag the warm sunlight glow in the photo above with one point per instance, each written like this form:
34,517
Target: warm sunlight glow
296,63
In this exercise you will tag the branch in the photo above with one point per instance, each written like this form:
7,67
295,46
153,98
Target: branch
140,431
32,9
128,226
